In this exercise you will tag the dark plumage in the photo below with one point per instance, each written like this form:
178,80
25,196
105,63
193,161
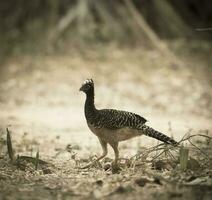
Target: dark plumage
112,126
115,119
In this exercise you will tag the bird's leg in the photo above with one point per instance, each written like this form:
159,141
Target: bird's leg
115,168
104,153
116,151
104,149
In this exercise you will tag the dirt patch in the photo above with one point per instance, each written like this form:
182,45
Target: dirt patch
41,105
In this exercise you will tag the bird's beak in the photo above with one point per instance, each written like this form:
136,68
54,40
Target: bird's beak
80,89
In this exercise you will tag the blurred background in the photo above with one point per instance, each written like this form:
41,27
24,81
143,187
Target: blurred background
146,56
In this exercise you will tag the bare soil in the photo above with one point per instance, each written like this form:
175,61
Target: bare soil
41,104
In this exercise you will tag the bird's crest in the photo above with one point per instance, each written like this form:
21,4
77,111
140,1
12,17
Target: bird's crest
88,81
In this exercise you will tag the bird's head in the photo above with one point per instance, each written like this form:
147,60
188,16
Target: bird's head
88,85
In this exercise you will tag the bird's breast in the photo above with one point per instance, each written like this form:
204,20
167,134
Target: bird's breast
112,135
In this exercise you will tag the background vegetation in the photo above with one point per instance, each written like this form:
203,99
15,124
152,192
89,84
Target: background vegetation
49,24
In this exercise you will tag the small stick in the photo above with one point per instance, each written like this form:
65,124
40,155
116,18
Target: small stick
198,149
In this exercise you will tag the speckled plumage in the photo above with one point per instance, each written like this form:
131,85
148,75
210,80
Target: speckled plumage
115,119
112,126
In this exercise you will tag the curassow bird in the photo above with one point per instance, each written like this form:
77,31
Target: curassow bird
112,126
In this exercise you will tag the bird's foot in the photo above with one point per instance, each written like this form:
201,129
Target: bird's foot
115,168
86,166
94,163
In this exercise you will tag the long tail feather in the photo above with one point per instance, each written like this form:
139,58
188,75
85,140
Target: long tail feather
146,130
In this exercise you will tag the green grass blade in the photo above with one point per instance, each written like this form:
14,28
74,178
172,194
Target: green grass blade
184,152
37,160
9,146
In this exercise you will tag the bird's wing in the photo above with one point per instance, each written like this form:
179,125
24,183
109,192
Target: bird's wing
115,119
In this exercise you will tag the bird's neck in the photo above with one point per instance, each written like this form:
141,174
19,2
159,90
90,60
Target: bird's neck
90,109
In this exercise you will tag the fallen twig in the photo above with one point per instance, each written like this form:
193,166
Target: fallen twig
198,148
191,136
168,148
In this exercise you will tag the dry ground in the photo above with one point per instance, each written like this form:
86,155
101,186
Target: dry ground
41,104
